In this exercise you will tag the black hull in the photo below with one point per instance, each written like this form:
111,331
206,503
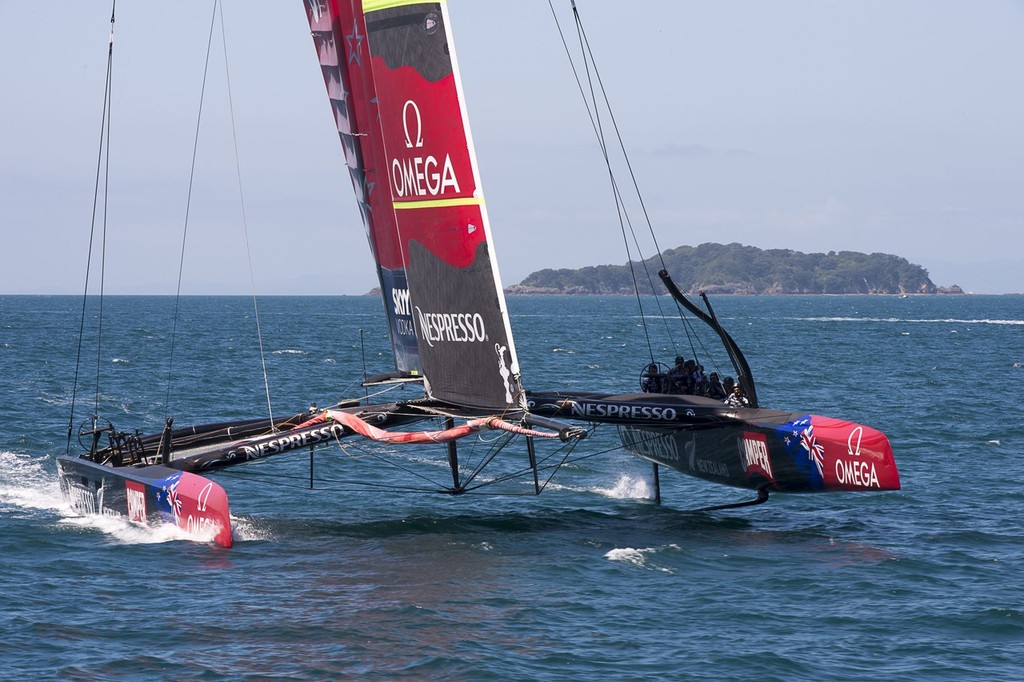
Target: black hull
751,448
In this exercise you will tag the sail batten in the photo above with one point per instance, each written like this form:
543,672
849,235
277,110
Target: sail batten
393,82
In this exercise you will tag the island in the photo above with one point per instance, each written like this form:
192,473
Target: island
738,269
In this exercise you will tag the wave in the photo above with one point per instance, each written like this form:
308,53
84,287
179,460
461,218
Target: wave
946,320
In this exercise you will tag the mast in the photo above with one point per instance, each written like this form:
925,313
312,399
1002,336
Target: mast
393,82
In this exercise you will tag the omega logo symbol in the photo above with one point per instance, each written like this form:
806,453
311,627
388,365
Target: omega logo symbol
853,448
409,144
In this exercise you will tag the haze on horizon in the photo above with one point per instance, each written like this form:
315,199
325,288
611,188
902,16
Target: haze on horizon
812,126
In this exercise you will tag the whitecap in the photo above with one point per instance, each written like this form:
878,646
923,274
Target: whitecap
947,320
627,555
637,557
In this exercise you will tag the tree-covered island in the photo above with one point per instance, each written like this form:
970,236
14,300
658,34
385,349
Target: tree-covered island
738,269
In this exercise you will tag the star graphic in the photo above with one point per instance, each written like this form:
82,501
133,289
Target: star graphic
355,42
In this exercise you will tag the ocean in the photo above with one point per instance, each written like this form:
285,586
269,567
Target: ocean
589,580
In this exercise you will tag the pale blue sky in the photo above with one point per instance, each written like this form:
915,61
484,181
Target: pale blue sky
873,126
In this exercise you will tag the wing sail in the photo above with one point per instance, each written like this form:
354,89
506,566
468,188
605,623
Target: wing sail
393,82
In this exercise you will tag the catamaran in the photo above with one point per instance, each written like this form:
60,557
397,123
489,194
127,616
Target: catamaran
393,85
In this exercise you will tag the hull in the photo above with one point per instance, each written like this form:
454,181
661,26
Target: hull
757,449
132,484
805,455
151,495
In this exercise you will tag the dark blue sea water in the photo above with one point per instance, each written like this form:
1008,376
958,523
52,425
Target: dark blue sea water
591,579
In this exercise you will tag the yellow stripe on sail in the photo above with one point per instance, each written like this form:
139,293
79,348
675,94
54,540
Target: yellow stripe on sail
374,5
438,203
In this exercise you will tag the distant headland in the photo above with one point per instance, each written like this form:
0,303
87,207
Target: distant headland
738,269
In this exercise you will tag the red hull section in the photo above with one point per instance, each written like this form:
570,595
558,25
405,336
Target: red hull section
850,456
200,508
150,495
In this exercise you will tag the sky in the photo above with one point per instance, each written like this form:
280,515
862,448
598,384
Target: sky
814,125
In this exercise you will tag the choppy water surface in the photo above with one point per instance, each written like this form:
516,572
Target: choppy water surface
591,578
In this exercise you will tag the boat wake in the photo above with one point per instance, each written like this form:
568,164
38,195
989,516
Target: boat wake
26,486
123,532
626,487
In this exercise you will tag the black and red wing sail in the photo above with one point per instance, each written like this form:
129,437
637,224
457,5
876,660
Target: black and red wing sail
393,82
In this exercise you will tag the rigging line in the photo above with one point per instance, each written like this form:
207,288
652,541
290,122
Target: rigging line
103,231
92,228
245,224
688,328
569,448
556,468
647,273
406,469
707,352
617,194
543,466
608,106
622,145
188,205
527,470
387,388
589,54
280,479
691,334
579,86
495,448
619,206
